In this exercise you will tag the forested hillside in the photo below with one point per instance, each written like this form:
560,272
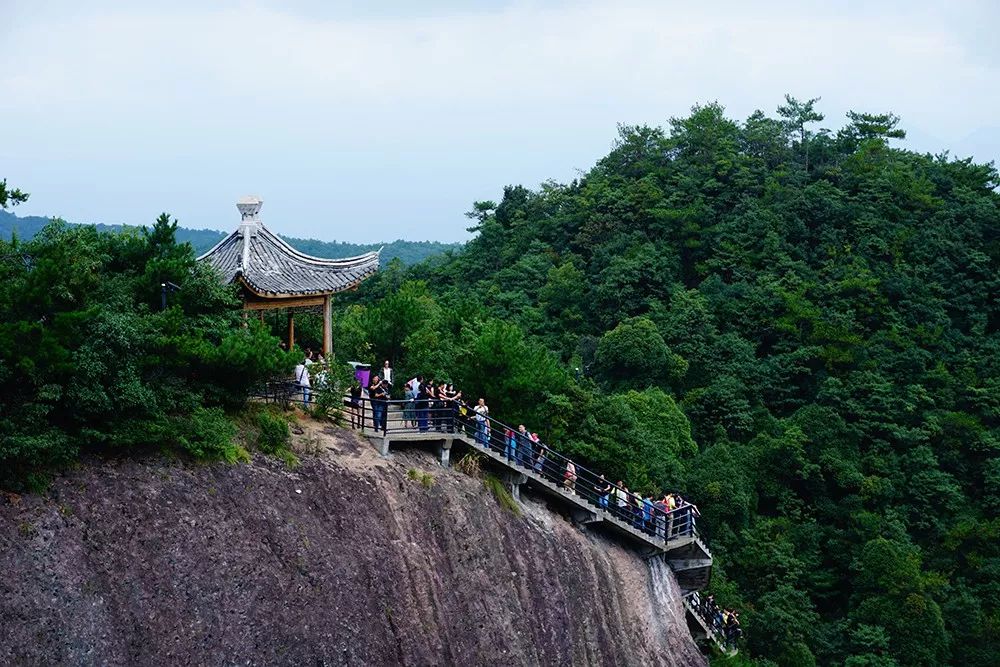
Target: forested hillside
796,328
407,252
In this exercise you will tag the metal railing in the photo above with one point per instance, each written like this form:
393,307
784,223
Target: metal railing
725,634
279,392
400,417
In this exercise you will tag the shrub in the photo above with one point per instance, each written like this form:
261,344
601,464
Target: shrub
471,465
273,434
208,434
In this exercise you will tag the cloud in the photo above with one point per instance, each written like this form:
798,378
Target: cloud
532,89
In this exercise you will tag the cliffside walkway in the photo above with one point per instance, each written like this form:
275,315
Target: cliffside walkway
704,627
672,535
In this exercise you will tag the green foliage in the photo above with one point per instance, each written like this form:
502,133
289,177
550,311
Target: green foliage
89,361
273,433
208,434
634,355
816,310
500,492
425,479
11,196
796,328
471,464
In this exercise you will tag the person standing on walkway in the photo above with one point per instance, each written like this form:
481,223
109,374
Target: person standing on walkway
671,504
357,418
423,401
522,446
410,407
569,477
453,400
635,500
387,372
602,488
439,406
647,512
660,513
482,427
541,454
620,493
379,394
302,380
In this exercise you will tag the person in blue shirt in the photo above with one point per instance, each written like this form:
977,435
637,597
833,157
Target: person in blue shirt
647,512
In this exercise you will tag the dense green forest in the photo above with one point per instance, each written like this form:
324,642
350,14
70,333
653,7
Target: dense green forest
201,240
796,328
90,362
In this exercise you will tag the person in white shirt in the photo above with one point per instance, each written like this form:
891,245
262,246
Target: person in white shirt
482,423
302,380
387,372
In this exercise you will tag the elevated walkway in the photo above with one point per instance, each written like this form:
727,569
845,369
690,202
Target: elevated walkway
653,532
703,628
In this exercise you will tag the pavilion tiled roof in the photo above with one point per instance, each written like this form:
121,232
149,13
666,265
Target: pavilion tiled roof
270,267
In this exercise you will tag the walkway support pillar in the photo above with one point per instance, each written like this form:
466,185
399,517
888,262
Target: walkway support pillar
445,452
291,330
514,480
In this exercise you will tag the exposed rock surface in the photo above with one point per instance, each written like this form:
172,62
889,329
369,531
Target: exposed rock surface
344,560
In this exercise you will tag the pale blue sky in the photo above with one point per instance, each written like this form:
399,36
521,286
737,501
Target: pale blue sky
372,121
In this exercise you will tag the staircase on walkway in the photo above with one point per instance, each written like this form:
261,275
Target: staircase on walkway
655,533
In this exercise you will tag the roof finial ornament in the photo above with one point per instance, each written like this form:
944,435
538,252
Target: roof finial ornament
249,207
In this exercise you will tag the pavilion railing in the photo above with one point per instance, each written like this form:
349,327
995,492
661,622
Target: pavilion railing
400,417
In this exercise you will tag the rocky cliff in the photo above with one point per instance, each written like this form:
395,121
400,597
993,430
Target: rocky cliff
343,560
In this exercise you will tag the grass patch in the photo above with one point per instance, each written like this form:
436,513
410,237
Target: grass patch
289,457
425,478
38,482
471,464
266,429
500,492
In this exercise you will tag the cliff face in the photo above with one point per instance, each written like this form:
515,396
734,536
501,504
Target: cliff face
343,560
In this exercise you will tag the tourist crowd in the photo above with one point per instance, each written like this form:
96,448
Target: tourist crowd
725,623
430,404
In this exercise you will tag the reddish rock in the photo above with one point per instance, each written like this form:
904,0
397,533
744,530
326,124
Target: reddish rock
344,560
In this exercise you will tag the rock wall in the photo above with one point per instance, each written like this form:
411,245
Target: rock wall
344,560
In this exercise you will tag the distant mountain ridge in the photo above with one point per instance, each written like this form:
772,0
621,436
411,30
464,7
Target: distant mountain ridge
408,252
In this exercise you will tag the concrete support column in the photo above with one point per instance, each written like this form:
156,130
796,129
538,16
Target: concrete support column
514,480
445,452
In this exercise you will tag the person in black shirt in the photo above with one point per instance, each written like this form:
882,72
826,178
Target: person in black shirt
423,401
354,406
603,489
380,405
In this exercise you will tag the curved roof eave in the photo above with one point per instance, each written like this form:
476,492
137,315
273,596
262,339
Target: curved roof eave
345,261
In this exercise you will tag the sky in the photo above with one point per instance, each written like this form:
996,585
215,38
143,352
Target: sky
371,121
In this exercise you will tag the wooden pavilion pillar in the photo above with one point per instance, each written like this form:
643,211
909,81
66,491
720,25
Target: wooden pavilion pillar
327,328
291,330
